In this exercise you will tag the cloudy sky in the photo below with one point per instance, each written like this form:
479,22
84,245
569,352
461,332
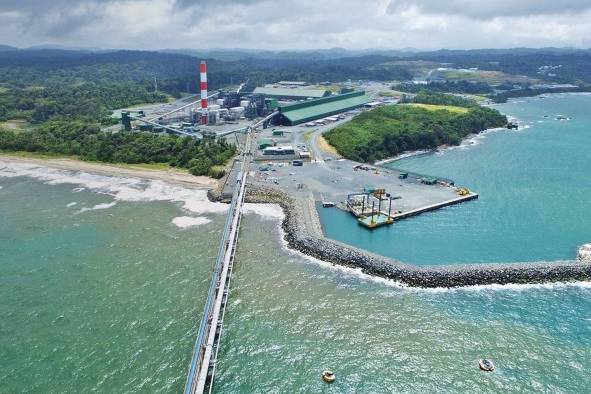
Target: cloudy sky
296,24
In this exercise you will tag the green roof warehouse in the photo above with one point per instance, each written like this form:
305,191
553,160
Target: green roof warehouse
307,111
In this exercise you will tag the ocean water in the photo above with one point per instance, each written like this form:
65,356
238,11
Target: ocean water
105,296
534,186
290,317
99,289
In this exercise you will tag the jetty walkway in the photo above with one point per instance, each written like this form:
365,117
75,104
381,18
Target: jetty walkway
203,363
202,368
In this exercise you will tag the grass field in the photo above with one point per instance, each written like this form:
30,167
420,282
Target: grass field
418,68
391,93
490,77
478,98
450,108
325,146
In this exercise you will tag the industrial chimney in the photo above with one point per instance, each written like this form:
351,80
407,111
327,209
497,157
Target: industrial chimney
203,85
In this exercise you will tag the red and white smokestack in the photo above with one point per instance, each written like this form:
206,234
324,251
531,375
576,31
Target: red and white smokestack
203,85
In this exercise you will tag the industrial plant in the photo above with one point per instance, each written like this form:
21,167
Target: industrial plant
225,112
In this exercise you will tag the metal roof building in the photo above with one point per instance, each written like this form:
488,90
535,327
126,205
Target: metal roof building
296,94
294,114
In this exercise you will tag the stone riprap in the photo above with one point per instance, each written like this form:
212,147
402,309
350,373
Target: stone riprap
303,233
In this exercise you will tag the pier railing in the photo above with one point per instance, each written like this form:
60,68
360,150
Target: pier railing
208,327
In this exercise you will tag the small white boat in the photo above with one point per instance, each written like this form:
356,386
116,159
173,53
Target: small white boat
328,376
486,365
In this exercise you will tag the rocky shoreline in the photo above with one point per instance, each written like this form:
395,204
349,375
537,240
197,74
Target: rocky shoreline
303,233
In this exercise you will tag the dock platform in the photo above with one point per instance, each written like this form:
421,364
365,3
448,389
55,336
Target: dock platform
433,207
377,220
381,218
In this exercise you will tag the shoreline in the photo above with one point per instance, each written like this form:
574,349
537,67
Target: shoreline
128,170
303,233
441,148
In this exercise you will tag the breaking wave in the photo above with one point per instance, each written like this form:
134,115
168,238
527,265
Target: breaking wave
189,221
97,207
120,188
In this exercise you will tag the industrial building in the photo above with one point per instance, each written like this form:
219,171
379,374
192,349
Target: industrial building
306,111
193,118
280,150
292,83
291,94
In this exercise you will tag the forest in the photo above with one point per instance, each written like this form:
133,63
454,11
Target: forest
445,87
391,130
67,95
91,102
435,98
529,92
87,142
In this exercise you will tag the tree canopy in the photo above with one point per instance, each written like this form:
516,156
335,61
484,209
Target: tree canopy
391,130
88,142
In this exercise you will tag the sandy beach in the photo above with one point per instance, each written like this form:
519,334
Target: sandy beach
170,176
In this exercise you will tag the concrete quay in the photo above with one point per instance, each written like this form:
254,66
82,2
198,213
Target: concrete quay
303,233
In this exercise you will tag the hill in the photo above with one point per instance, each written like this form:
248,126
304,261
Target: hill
5,48
391,130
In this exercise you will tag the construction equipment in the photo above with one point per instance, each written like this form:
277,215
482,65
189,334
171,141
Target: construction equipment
462,191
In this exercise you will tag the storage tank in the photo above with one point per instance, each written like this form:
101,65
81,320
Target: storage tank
237,111
244,103
213,117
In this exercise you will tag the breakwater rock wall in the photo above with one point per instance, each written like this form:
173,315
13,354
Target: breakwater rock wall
303,233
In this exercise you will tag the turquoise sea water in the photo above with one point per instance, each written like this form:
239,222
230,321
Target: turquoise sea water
534,187
105,300
108,301
289,318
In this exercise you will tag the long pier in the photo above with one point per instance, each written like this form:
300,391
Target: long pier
202,368
203,363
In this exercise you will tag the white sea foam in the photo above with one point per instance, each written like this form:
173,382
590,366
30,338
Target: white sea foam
352,272
189,221
266,211
466,143
71,204
106,205
404,156
358,273
121,188
510,287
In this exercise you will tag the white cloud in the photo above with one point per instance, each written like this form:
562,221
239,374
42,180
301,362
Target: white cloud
298,24
488,9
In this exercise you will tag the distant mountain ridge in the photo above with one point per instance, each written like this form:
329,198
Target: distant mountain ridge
235,54
5,48
231,66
